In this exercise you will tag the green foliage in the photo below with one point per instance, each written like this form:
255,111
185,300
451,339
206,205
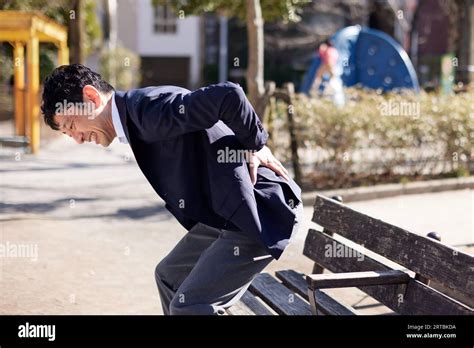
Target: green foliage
47,62
394,134
6,62
124,63
59,10
284,10
92,27
461,172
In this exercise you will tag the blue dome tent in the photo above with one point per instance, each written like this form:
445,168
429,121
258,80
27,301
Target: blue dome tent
367,57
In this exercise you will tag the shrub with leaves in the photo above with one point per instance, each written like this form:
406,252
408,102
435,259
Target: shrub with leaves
379,137
121,67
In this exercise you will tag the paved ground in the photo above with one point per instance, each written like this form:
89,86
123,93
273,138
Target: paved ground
99,230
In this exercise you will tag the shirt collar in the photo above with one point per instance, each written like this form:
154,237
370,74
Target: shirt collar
117,123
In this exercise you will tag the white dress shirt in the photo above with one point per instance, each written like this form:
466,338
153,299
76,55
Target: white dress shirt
117,123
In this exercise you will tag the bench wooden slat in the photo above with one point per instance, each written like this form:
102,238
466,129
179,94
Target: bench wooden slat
278,297
351,279
327,305
422,255
417,299
461,297
423,300
249,305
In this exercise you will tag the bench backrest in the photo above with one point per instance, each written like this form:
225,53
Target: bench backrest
449,267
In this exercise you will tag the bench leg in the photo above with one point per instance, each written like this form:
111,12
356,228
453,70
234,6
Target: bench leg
317,269
312,301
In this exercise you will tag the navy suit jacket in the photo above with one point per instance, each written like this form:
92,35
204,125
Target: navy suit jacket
177,137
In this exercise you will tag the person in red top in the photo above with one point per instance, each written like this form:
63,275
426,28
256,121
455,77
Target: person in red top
328,55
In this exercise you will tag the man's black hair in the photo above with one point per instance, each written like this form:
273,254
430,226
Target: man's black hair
65,84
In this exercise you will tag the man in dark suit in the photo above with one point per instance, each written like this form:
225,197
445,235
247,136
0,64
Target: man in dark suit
204,154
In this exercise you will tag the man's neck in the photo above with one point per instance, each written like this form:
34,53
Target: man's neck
107,113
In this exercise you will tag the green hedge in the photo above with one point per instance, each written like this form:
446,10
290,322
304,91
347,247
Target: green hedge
378,137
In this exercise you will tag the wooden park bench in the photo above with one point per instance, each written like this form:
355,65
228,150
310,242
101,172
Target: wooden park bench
408,273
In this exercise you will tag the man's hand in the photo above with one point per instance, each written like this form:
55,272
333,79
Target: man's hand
265,158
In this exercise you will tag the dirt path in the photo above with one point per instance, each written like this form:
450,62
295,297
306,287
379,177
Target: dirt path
99,230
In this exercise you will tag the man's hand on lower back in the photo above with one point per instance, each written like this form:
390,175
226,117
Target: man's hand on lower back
265,158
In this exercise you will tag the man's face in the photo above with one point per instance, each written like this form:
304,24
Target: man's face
89,121
86,129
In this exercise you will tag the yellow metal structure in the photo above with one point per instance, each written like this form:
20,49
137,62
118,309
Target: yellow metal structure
27,29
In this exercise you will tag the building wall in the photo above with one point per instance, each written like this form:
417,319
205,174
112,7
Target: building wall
127,28
184,43
136,32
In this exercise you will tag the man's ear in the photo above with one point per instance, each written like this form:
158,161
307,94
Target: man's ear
91,94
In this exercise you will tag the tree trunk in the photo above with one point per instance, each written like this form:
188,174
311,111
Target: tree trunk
76,33
111,39
453,14
413,51
255,83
